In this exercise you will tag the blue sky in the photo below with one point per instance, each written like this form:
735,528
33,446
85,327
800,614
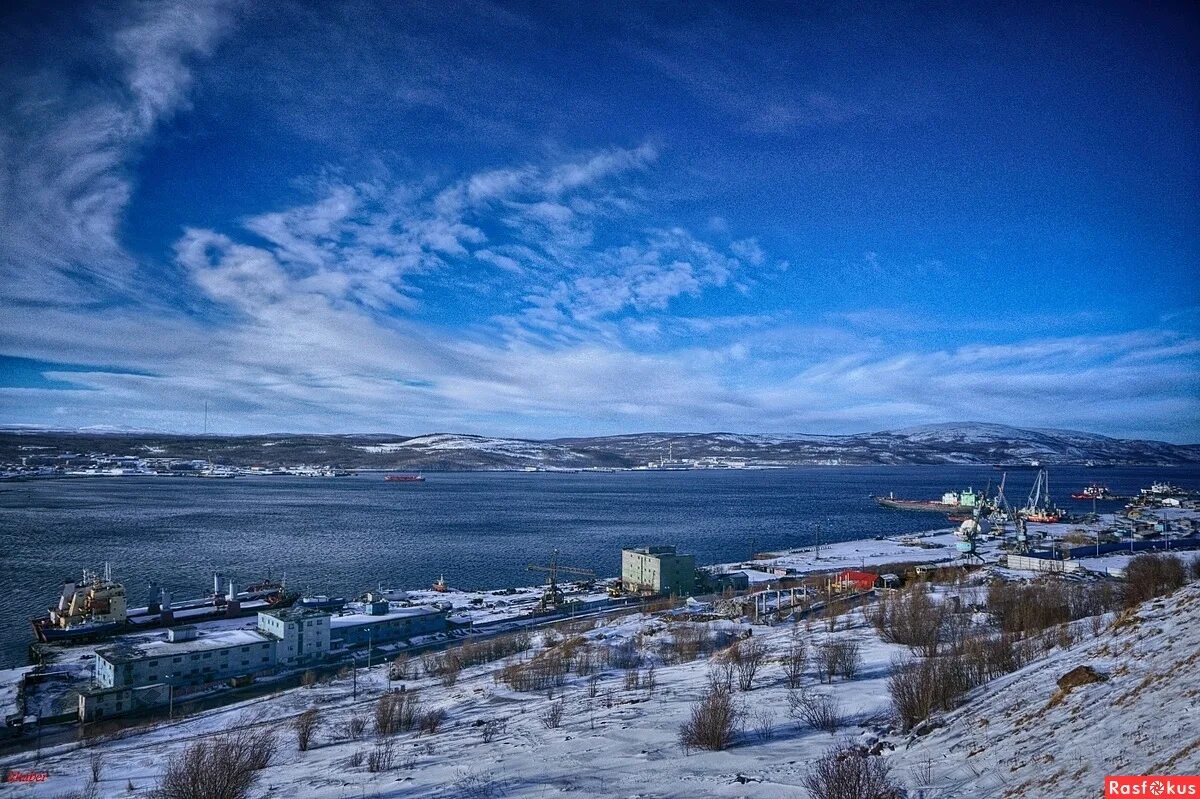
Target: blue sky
562,219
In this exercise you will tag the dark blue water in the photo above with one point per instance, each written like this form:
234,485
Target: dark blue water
481,529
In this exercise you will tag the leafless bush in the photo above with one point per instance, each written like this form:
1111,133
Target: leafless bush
227,767
96,765
763,721
1032,607
354,727
819,711
625,655
747,656
401,668
910,618
585,661
493,729
305,726
552,718
593,686
794,661
308,679
1148,576
446,666
547,670
713,722
396,711
382,757
431,720
847,773
633,679
471,784
474,653
922,686
847,658
720,675
356,758
649,681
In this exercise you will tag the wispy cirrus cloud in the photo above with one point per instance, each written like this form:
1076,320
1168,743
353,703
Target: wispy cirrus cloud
67,148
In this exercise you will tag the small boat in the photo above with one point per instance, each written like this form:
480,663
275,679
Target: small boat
440,585
404,478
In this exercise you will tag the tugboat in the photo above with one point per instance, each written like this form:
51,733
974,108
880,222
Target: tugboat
440,585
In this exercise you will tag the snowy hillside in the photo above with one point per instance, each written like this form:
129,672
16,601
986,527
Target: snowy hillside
968,443
1022,736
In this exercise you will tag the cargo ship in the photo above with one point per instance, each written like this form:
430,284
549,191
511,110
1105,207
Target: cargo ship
952,502
1040,508
95,608
404,478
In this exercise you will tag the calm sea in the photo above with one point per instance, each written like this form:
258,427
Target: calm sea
347,535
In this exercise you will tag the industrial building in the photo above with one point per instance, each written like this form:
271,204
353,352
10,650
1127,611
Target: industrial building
301,634
382,624
658,570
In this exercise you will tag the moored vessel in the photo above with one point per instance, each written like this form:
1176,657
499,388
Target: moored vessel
404,478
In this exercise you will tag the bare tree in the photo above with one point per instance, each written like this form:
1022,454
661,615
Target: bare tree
305,726
396,711
354,727
713,722
720,675
431,720
846,773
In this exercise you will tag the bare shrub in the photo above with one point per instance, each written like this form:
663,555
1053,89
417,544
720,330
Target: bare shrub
431,720
625,655
552,718
226,766
354,727
305,726
633,679
493,729
446,666
747,656
763,722
96,765
720,675
713,722
1149,576
846,658
847,773
922,686
401,668
356,758
819,711
649,681
474,784
593,686
911,618
308,679
794,661
396,711
382,757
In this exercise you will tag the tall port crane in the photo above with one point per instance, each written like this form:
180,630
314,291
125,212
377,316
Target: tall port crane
553,597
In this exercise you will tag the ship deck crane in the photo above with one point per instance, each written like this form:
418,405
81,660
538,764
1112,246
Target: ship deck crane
553,597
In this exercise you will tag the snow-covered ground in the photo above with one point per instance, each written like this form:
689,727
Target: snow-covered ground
1010,739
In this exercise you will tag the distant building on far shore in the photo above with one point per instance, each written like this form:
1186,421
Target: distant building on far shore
658,570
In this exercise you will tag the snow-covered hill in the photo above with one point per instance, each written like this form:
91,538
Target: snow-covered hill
970,443
1022,736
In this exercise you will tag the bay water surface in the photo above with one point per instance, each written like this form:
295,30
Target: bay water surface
343,536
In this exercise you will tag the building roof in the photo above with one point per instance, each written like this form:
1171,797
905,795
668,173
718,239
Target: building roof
294,613
356,619
128,652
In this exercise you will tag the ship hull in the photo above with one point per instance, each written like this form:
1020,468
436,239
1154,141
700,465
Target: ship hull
923,506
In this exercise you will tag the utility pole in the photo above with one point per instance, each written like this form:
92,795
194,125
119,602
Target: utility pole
354,667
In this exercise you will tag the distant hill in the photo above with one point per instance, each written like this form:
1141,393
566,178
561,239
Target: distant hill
963,443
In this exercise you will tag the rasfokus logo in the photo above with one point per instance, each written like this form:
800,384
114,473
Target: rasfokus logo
1152,786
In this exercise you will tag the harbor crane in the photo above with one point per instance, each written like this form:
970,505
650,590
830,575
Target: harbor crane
553,597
